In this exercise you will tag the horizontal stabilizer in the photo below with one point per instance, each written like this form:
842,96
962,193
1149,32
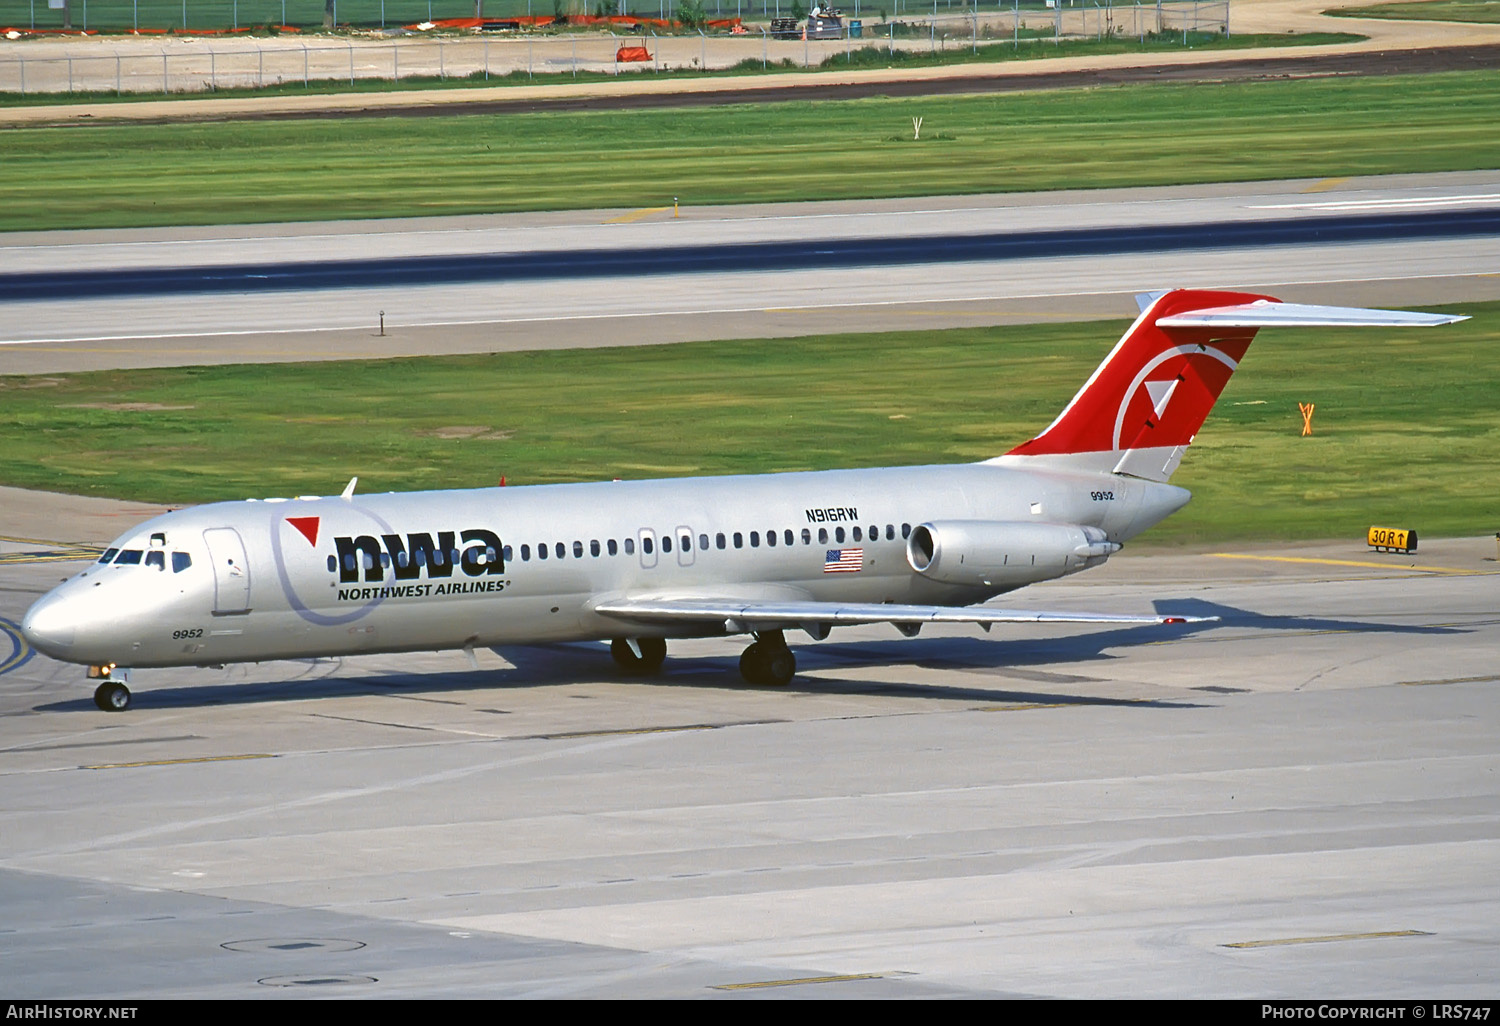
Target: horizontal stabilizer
741,617
1264,314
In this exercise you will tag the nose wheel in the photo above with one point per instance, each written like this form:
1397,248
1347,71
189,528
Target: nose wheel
112,696
768,661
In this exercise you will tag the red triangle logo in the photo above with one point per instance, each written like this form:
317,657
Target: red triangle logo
307,527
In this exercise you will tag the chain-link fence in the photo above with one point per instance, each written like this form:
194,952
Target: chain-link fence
186,64
232,15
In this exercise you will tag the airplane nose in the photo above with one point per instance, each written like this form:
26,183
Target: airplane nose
49,628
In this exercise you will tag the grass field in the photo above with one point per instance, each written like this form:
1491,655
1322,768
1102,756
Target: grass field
1482,11
1406,428
379,167
874,52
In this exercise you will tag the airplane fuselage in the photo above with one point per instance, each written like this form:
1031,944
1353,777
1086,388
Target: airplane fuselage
272,579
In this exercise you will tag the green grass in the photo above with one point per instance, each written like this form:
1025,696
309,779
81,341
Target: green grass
234,172
1482,11
1406,429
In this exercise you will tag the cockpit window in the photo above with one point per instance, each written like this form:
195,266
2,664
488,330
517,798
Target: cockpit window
109,554
180,562
157,558
129,557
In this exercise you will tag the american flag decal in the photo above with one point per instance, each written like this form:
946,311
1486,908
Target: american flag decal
844,561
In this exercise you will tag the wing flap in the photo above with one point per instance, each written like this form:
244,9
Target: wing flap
743,617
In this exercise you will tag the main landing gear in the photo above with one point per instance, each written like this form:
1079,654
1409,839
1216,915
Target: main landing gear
768,660
638,656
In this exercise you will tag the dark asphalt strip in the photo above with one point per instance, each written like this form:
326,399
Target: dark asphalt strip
814,254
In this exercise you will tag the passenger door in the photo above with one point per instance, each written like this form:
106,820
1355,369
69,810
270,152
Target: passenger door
226,552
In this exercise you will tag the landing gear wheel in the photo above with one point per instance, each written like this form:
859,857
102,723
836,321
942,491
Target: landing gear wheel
752,663
112,696
653,654
768,663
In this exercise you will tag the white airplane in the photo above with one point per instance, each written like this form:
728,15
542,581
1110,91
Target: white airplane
638,562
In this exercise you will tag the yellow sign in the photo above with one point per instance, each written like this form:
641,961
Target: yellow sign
1392,539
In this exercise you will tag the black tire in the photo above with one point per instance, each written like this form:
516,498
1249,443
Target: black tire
653,654
753,664
112,696
780,666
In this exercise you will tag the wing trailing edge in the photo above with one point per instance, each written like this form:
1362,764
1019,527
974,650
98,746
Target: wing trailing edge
739,617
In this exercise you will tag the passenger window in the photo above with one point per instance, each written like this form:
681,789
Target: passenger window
822,536
755,539
703,543
771,538
348,561
687,543
857,535
838,535
613,548
890,532
719,539
629,546
541,551
806,536
906,530
666,543
739,540
526,553
578,550
646,546
594,547
787,536
181,561
874,532
110,554
561,550
508,553
157,558
385,559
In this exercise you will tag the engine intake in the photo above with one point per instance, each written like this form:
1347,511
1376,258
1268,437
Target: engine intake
998,553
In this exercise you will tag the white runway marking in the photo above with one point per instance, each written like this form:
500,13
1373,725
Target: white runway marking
1402,203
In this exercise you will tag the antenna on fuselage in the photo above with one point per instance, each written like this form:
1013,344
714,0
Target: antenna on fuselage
348,492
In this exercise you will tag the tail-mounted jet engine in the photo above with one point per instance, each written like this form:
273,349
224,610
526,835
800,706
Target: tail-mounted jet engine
1004,554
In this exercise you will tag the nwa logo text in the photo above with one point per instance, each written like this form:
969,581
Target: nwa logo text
476,552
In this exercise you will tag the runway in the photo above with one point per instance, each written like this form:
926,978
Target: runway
506,282
1298,801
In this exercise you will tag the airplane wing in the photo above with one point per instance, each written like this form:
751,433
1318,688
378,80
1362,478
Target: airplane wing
743,617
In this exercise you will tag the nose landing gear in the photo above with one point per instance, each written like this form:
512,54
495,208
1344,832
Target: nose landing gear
768,661
111,695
